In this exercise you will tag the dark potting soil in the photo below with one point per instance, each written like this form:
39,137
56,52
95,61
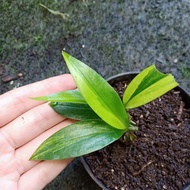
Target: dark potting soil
159,157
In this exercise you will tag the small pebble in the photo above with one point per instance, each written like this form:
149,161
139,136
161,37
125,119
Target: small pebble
20,75
12,82
175,60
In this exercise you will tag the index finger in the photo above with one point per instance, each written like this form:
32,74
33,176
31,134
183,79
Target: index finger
16,102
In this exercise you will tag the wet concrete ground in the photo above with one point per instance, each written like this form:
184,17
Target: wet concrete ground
111,37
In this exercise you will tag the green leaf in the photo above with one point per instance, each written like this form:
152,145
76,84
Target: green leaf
100,96
147,86
73,96
74,110
77,139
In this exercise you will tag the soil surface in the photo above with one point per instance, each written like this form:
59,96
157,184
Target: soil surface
159,157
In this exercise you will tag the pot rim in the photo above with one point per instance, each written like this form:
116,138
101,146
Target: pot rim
89,171
123,74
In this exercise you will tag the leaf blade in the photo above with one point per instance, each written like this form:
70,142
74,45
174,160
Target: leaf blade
74,110
65,96
77,139
147,86
100,96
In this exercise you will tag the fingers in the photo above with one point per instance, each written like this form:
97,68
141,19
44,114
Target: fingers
30,124
16,102
40,175
24,153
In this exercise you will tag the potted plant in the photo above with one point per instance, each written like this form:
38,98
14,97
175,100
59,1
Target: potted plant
102,116
148,162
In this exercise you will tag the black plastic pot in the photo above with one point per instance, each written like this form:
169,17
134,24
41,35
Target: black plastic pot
112,81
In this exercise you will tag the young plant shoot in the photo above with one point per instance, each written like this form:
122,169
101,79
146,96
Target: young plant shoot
102,117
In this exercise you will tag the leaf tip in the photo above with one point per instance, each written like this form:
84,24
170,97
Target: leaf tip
65,55
32,157
40,98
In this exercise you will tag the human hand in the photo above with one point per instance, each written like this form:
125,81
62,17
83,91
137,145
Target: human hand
24,125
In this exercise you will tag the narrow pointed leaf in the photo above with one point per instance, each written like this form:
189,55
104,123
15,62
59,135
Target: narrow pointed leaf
77,139
65,96
74,110
100,96
147,86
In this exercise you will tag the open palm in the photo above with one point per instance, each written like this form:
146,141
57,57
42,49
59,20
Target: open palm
24,125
